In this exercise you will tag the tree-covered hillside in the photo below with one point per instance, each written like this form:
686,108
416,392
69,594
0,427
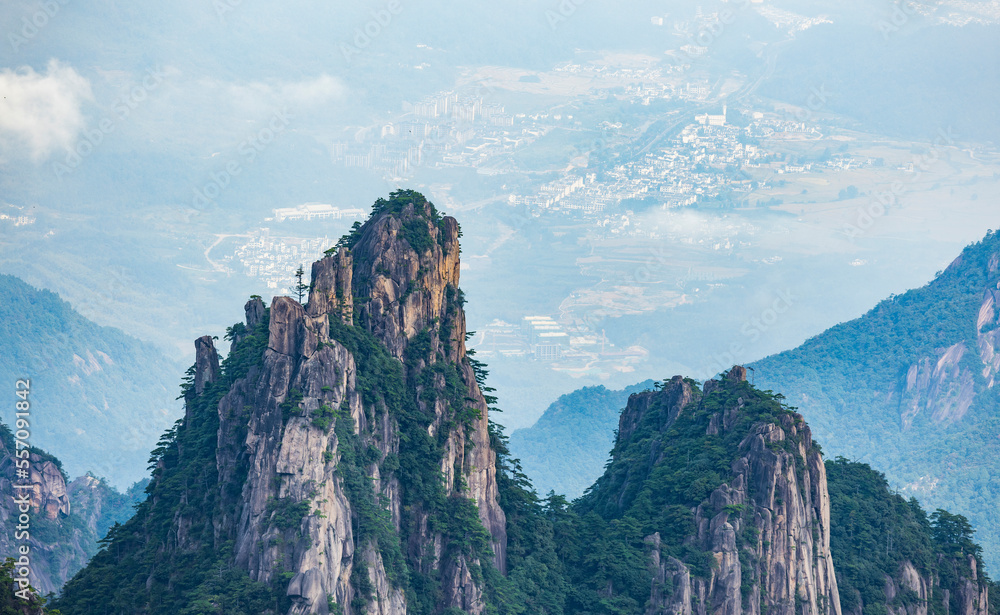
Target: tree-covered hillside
592,556
909,388
878,537
99,398
906,388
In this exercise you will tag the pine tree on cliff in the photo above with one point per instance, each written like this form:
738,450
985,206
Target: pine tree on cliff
301,288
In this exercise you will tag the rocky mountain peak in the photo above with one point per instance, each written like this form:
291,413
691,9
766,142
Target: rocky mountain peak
666,404
738,469
406,274
348,439
255,311
331,291
737,374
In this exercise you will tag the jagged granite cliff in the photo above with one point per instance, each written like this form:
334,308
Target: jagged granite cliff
288,443
50,508
730,492
340,459
340,455
67,518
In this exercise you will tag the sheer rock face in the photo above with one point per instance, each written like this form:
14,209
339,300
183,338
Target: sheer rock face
405,294
908,578
944,385
206,363
671,573
255,311
290,462
331,291
272,455
971,596
791,510
48,498
48,495
405,291
940,386
782,493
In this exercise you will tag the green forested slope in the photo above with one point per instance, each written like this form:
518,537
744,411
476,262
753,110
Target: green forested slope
99,397
851,383
876,532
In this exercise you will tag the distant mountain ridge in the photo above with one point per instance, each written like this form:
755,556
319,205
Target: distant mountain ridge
100,398
911,388
565,449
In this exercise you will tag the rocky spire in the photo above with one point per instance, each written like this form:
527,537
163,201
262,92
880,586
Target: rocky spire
398,279
255,311
406,269
206,364
331,290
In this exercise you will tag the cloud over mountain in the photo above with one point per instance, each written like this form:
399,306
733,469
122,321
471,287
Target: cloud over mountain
41,112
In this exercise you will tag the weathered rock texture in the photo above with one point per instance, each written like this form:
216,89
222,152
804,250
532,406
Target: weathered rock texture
52,562
277,450
968,596
944,385
767,528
